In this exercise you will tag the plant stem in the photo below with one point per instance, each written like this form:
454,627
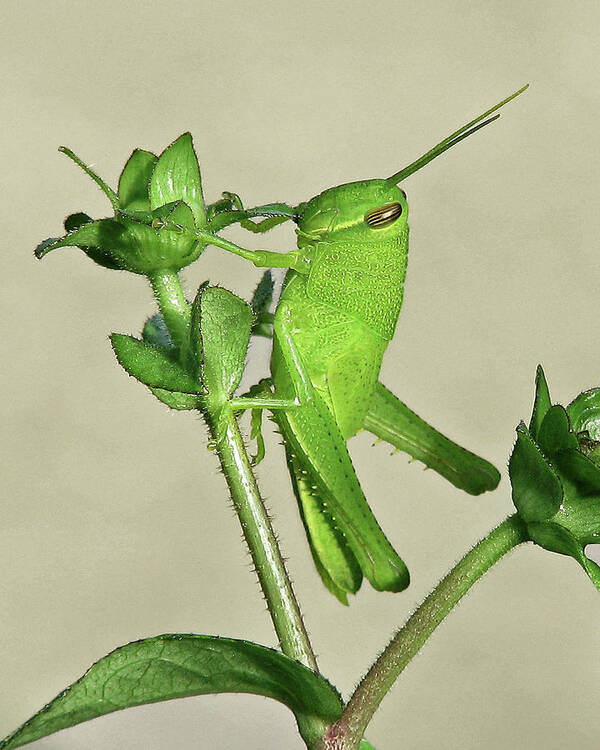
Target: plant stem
247,501
348,730
249,506
261,540
173,305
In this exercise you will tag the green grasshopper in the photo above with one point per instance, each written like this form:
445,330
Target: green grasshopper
335,318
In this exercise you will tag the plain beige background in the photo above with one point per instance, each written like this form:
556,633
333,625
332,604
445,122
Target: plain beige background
115,523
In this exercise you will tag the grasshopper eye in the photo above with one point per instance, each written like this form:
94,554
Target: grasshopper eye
384,215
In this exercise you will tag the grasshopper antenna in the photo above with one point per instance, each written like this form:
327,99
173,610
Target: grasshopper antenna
452,140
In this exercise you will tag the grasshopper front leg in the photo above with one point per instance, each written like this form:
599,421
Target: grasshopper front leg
294,259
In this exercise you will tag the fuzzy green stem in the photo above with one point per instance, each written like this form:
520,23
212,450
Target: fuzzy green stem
347,732
173,305
249,506
261,540
264,549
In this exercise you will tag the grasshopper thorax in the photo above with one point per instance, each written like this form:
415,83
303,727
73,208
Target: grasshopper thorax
364,211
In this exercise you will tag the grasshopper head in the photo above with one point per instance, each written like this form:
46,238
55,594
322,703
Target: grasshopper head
364,211
372,210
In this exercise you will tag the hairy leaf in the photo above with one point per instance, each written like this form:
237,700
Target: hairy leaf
536,489
556,538
135,245
225,323
176,176
152,365
134,182
178,666
554,434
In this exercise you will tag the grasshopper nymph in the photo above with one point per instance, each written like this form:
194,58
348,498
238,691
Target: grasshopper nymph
336,316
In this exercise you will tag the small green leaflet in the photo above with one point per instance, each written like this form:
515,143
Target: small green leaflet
134,181
225,324
153,366
156,333
584,413
176,177
556,478
536,489
133,244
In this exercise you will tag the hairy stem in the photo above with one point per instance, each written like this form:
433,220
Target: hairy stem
248,503
262,543
173,305
266,555
347,732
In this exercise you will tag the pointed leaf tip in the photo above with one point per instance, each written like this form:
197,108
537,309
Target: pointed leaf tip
541,402
44,247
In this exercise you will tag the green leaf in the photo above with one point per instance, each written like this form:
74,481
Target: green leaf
156,332
152,366
225,324
176,176
134,245
556,538
87,234
101,257
364,745
45,246
178,666
75,238
134,182
583,473
536,489
555,434
541,402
